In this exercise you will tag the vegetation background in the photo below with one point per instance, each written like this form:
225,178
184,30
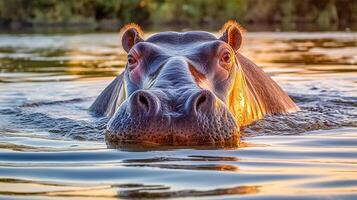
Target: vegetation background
112,14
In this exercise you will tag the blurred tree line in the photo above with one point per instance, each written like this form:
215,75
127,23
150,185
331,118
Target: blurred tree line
115,13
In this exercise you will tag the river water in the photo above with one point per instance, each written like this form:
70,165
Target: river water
51,147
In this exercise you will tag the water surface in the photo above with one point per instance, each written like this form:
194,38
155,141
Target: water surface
51,147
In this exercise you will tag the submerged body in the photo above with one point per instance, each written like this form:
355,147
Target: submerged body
187,88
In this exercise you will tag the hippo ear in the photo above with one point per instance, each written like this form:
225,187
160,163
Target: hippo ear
131,35
232,34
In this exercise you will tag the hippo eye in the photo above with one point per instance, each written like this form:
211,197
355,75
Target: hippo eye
131,61
226,60
226,57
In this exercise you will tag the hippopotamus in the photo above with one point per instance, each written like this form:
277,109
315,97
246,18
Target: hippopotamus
187,88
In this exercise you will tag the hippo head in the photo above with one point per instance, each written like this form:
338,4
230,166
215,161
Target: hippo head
182,88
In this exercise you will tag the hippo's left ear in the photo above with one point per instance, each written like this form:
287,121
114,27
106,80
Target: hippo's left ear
131,35
232,34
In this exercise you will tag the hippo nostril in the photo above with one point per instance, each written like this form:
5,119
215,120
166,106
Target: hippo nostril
144,102
201,101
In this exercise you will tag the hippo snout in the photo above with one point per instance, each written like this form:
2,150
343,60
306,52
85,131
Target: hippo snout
156,118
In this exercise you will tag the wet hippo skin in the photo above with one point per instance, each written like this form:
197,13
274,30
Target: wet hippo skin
187,88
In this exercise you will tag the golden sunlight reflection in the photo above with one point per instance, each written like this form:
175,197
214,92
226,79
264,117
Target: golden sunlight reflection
246,108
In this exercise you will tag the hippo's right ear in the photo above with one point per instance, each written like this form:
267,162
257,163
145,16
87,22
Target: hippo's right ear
232,34
131,35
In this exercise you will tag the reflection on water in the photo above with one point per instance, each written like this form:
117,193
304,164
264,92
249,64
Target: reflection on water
51,147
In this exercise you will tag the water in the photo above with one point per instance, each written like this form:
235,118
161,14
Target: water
51,147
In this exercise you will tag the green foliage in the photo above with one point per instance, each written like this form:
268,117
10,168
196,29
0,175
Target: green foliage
288,14
184,12
195,12
15,10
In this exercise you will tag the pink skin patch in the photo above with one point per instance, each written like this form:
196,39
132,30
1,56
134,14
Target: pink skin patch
135,74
